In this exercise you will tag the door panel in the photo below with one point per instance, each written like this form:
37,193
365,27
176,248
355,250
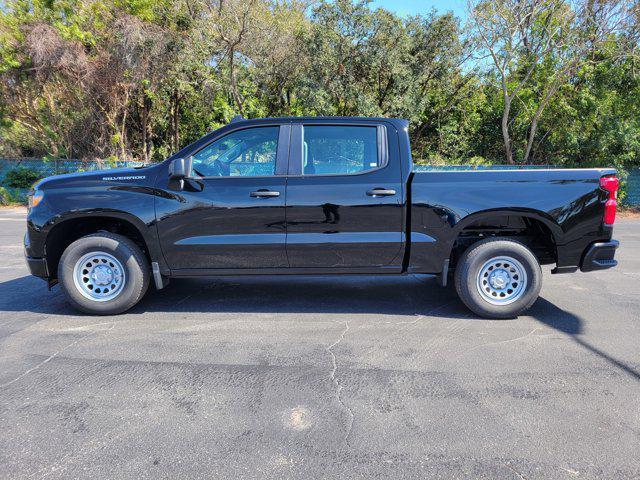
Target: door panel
337,220
232,220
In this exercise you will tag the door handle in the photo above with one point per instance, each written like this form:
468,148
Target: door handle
380,192
265,194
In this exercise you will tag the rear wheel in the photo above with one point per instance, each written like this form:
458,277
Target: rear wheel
498,278
103,274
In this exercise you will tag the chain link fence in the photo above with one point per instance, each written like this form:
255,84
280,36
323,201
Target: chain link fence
31,169
46,168
633,188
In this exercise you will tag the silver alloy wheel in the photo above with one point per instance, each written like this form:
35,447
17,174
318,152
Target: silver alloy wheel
502,280
99,276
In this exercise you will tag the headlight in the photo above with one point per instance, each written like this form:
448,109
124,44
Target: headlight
35,197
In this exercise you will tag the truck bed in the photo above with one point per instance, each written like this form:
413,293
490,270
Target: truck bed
569,202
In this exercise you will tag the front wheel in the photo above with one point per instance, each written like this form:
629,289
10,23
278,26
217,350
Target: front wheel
103,274
498,278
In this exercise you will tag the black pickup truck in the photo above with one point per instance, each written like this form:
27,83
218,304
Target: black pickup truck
316,196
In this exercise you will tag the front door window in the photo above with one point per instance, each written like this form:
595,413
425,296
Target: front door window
245,153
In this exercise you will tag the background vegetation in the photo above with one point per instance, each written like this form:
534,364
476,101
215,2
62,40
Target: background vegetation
521,81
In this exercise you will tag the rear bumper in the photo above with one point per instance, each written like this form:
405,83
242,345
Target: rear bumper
599,256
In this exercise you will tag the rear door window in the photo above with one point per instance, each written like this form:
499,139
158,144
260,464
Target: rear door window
340,150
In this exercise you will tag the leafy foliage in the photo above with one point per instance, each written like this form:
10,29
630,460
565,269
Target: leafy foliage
138,79
21,178
12,196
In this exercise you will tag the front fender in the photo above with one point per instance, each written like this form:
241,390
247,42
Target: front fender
134,205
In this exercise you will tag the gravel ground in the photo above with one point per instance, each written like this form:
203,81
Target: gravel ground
309,377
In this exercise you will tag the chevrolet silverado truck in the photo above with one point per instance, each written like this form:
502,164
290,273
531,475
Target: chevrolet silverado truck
316,196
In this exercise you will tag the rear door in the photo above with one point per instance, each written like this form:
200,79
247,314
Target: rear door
234,218
344,191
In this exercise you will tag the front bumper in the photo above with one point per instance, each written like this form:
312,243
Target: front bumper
599,256
37,265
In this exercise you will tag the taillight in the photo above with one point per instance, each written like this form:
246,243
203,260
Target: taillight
610,184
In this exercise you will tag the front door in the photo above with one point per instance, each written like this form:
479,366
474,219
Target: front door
344,198
233,214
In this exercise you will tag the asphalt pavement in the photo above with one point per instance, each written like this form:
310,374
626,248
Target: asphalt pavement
321,377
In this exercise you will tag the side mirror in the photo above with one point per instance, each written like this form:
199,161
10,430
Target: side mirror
181,168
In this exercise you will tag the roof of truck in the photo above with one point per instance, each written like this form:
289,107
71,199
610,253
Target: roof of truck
396,121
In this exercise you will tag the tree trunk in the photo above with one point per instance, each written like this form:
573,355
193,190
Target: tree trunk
123,137
144,120
505,130
146,128
234,81
176,123
532,134
534,122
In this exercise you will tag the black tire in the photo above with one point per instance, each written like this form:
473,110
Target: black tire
471,264
133,261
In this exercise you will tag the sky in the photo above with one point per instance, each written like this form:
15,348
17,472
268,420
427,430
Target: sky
413,7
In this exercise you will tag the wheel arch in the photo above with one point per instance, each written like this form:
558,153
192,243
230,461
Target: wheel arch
533,217
73,226
538,215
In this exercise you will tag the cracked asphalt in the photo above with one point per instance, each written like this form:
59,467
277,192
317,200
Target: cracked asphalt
310,377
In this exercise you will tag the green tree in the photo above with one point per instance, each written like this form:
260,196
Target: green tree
538,45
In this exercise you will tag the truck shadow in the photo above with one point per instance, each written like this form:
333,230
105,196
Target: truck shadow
570,324
382,295
411,296
269,294
29,294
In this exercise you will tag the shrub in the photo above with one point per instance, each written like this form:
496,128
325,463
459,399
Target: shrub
4,196
21,178
12,197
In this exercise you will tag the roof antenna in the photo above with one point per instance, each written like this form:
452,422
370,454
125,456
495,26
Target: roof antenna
237,118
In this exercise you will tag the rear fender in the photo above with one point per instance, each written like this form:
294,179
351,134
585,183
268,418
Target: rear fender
543,217
430,256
